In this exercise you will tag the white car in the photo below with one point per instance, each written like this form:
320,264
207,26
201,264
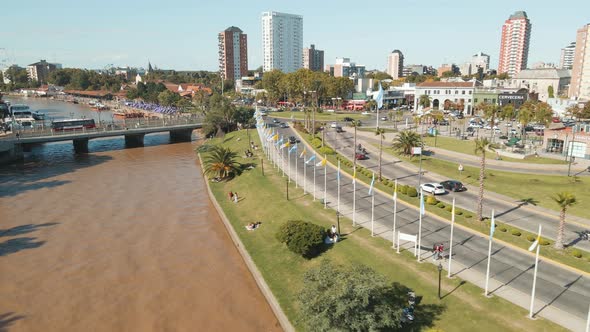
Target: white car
433,188
333,125
330,111
475,125
513,131
365,113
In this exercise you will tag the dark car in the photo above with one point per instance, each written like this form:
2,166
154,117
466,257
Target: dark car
293,140
275,121
348,119
339,129
283,125
443,122
453,185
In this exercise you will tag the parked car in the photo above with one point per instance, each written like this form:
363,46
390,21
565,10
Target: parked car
383,118
433,188
366,113
330,111
360,156
333,125
513,131
443,122
339,129
284,125
453,185
348,119
475,125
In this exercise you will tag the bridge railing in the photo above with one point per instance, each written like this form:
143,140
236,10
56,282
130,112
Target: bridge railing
108,126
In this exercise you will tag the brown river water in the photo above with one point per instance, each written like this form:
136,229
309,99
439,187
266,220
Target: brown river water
118,240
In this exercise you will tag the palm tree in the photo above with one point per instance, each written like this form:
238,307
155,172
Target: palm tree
221,162
424,101
405,141
380,132
481,146
564,200
508,112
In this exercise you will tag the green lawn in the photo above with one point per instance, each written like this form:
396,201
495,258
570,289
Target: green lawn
264,199
470,175
467,147
324,116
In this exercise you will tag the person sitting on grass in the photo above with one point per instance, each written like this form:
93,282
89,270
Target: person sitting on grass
253,225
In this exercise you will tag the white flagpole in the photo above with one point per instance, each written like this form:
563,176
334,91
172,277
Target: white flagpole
451,240
314,181
325,183
372,214
588,322
535,277
489,259
304,176
338,204
354,202
283,162
289,162
296,173
420,227
394,213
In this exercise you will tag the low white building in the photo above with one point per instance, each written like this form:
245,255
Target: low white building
539,80
445,95
560,105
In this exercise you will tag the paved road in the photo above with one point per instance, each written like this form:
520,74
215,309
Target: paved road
508,210
562,295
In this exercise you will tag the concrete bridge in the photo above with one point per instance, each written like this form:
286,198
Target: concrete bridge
12,146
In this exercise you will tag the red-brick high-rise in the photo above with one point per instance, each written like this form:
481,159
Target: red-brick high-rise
514,48
233,53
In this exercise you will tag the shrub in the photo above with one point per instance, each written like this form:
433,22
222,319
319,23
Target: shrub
577,253
412,192
441,205
467,216
502,229
544,242
431,200
326,150
460,212
391,184
385,182
316,142
531,238
515,232
449,209
301,237
403,189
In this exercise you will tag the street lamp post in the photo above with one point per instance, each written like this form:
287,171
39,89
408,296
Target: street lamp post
439,278
338,221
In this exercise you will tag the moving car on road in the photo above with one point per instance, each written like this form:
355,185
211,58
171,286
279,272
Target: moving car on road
433,188
333,125
275,121
283,125
293,140
360,156
453,185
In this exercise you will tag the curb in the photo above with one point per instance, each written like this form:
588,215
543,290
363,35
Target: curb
262,285
465,228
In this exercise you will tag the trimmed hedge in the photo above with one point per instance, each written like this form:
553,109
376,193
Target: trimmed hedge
450,209
441,205
577,253
301,237
502,229
431,200
316,143
412,192
544,242
515,232
531,238
326,150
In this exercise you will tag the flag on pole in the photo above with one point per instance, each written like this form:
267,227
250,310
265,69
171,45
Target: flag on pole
379,96
354,176
372,183
536,243
279,142
321,163
286,145
293,148
422,211
303,153
275,137
492,226
312,158
395,190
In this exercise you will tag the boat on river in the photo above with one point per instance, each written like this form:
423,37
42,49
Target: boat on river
128,115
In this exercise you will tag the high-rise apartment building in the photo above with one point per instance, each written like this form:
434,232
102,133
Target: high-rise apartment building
233,53
480,60
313,59
566,61
282,41
344,68
580,84
395,64
39,71
514,47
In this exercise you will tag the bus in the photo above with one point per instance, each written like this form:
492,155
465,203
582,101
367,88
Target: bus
72,124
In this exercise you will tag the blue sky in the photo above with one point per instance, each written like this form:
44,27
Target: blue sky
183,34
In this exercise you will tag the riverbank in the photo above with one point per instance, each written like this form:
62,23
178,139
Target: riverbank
264,199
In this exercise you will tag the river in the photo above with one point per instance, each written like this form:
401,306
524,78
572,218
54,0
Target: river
118,240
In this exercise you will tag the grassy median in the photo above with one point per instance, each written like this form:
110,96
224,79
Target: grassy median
320,117
263,198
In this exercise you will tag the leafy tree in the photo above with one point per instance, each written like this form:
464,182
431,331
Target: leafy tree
244,115
335,298
481,146
271,83
379,76
168,98
508,112
424,101
381,133
583,113
564,200
405,141
220,119
221,162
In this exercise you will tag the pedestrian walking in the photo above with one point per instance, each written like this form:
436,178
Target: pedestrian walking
236,197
